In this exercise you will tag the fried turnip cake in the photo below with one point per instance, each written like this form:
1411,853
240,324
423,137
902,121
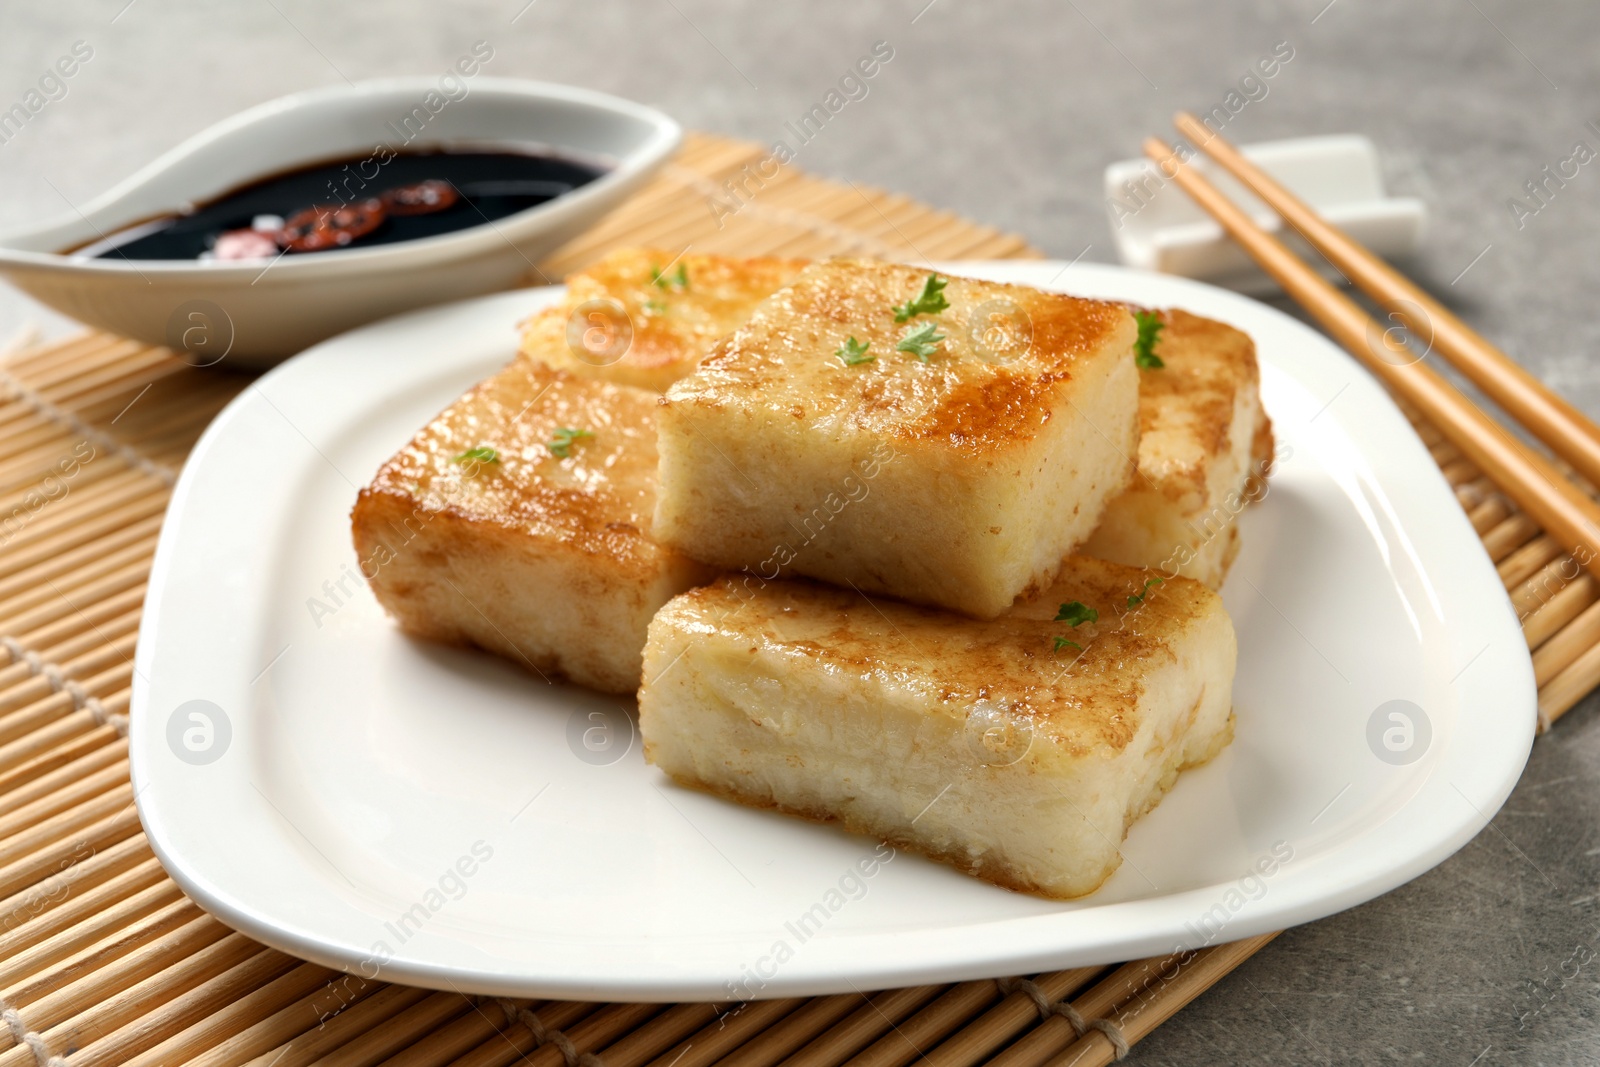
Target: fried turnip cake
518,521
942,440
1019,749
644,318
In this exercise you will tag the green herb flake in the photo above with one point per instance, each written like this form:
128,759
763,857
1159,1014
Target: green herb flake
921,342
1138,598
1144,347
565,437
854,352
1062,642
1077,613
930,301
678,279
481,454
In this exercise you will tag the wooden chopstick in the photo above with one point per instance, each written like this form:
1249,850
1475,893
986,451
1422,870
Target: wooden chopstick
1533,482
1567,431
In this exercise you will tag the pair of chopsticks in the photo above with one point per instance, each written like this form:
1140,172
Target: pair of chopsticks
1567,513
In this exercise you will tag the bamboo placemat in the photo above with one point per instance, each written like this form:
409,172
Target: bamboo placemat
104,962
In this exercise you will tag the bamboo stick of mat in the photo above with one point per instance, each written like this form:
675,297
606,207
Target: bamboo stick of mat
1566,512
53,785
878,1013
293,1044
1135,1019
979,1040
1563,428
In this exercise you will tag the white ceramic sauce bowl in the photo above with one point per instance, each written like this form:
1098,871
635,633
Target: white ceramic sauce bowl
256,315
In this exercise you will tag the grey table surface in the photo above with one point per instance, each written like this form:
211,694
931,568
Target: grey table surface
1006,113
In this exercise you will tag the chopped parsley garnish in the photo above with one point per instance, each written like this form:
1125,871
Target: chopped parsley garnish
922,342
657,306
928,302
565,437
854,352
1077,613
1138,598
481,454
1144,347
1062,642
678,279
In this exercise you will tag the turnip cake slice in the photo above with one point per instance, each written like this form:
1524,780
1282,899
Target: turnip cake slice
517,521
942,440
1205,452
644,318
1018,749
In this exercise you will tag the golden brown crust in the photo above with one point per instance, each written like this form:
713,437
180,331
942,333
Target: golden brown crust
984,411
1263,445
672,326
1082,701
598,500
1186,408
981,390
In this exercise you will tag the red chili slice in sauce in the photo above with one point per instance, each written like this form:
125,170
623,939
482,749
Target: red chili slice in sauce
422,198
330,225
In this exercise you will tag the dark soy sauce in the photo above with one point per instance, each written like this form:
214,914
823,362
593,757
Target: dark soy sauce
352,203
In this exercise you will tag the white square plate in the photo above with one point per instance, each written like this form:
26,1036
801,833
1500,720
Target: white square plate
442,818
